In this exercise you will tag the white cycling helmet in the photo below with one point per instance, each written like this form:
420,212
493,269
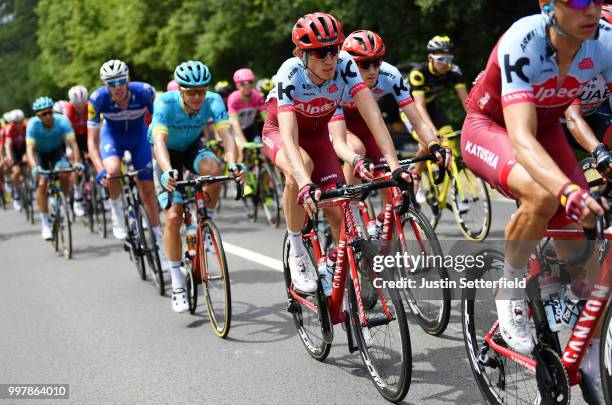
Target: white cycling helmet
114,69
16,116
59,106
78,95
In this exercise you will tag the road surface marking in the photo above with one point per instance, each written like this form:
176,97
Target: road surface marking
258,258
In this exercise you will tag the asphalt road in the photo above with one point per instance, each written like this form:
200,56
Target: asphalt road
91,323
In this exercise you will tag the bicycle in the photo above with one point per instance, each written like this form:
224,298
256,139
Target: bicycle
416,239
556,369
93,197
208,265
385,322
59,212
261,180
25,191
467,192
140,242
216,147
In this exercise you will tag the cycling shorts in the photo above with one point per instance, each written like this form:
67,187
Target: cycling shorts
139,147
487,151
18,154
252,133
49,160
360,130
82,142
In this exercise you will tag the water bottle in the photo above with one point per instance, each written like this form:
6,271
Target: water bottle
552,296
380,219
325,282
571,309
190,236
372,229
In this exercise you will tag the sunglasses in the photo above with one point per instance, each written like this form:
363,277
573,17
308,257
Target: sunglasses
117,82
43,113
580,4
365,64
321,53
443,58
246,82
194,92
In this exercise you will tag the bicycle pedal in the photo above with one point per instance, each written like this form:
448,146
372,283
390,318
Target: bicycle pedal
379,321
292,306
126,247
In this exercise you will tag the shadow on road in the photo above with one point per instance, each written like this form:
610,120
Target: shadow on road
8,236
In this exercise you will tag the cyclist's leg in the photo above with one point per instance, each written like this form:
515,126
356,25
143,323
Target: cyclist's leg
111,152
142,158
358,147
204,162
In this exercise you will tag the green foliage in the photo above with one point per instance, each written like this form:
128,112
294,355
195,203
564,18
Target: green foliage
46,46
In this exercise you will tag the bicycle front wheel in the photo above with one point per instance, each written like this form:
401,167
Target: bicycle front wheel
384,339
133,241
65,227
215,278
431,307
268,192
605,355
471,204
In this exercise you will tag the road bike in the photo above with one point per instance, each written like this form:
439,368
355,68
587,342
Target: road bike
59,212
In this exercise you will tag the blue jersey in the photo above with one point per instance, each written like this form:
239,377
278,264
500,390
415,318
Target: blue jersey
48,139
119,122
184,129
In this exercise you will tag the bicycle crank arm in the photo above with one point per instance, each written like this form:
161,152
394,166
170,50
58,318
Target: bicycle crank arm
379,321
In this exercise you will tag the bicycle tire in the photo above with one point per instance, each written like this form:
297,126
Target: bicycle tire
149,248
65,227
219,313
54,218
100,211
605,355
192,285
431,208
309,323
268,191
370,347
136,255
461,216
432,321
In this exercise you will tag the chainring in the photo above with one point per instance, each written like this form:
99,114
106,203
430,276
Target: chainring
556,391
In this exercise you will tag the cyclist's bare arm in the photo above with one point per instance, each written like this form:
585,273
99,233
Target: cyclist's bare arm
288,126
240,138
75,148
93,144
31,154
521,122
368,108
421,106
420,126
579,128
160,150
8,152
337,130
462,94
229,143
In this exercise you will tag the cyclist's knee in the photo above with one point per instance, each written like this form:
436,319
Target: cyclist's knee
540,203
209,167
173,218
355,144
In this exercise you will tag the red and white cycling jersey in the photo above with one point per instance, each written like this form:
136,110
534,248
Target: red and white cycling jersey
523,68
78,118
17,135
313,105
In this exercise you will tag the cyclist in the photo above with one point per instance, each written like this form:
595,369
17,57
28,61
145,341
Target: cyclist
512,138
123,104
76,111
172,85
224,89
59,106
175,134
264,86
45,137
309,88
3,192
353,141
243,105
15,148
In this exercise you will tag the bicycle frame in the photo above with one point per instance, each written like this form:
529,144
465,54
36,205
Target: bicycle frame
592,311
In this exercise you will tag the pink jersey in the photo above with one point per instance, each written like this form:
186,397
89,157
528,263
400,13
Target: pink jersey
245,110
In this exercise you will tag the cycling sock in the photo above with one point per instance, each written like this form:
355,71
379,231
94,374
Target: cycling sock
78,193
44,217
590,361
511,273
115,207
296,245
211,213
178,281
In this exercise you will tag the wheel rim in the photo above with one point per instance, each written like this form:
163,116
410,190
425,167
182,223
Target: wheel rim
471,205
269,197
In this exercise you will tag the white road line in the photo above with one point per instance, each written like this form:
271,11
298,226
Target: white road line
255,257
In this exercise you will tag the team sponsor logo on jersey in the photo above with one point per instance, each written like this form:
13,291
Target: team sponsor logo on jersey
388,74
516,68
377,90
91,111
482,101
328,177
490,158
315,107
348,72
400,87
547,94
530,35
586,63
333,88
293,72
285,91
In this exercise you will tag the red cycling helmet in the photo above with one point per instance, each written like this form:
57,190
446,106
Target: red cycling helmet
317,30
364,45
606,13
172,85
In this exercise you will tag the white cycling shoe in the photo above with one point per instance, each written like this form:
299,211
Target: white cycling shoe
16,205
420,196
514,325
302,273
179,301
46,232
119,229
163,261
78,208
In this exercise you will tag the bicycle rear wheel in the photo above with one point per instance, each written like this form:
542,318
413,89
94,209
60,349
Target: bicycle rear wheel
149,249
384,340
605,355
268,193
312,320
132,241
471,204
500,380
431,307
65,227
215,278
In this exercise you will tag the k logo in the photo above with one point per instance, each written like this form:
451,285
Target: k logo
285,91
516,68
348,72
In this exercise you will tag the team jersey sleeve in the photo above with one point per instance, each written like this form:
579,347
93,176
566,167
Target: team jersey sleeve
148,93
232,105
416,79
30,133
219,113
339,113
161,114
605,41
285,86
456,77
517,67
349,73
396,85
93,110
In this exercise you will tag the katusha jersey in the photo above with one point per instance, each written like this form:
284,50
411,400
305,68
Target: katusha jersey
522,68
47,139
593,94
390,81
17,135
119,122
184,129
78,117
313,105
245,111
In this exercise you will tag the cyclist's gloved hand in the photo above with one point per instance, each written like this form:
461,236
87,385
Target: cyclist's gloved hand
35,170
168,179
443,155
101,177
603,157
307,197
80,167
362,168
403,178
579,204
239,169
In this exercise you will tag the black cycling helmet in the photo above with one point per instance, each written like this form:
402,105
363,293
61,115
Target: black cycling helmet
440,43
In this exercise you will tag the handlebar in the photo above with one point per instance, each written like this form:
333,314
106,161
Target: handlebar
406,162
55,171
201,181
129,174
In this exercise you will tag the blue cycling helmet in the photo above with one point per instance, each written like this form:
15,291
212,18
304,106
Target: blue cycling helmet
42,103
192,73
